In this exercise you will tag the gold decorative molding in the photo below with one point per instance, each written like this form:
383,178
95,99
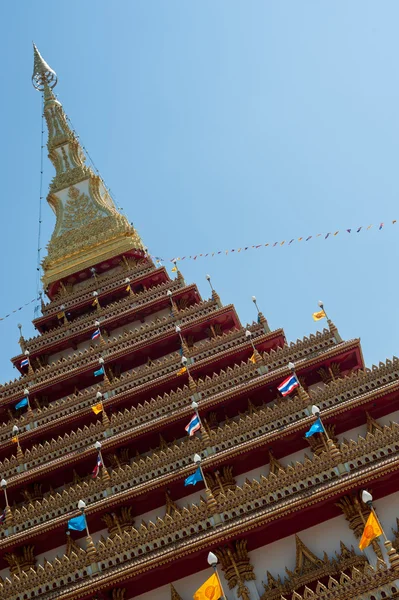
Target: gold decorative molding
235,563
274,465
170,505
372,424
309,570
72,547
221,481
119,521
22,560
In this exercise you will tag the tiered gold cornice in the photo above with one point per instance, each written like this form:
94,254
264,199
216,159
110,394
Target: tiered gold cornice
84,323
276,358
102,283
157,410
85,360
231,439
190,528
345,576
88,227
149,375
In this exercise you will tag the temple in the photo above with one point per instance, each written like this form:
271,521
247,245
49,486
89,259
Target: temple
135,386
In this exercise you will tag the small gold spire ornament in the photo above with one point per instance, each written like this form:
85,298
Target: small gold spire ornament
105,420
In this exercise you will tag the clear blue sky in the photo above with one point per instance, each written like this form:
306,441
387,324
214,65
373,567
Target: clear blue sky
219,125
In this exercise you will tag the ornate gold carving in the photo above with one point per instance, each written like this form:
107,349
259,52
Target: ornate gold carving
33,493
235,563
171,505
23,560
331,373
309,570
119,521
72,547
119,458
274,465
372,424
221,481
80,238
78,211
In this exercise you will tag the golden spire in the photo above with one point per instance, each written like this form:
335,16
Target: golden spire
88,228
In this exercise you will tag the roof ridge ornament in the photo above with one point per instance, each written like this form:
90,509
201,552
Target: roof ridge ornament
42,74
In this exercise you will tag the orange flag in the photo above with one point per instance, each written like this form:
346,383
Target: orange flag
181,371
253,359
97,408
319,315
210,590
372,530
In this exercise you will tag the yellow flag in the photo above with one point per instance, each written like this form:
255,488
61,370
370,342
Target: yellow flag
210,590
319,315
174,269
61,315
252,359
128,289
95,302
181,371
97,408
15,439
372,530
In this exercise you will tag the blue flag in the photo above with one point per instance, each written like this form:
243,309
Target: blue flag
194,478
77,523
99,372
317,427
22,403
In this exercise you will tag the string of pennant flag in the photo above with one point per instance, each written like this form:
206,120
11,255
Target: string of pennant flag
287,242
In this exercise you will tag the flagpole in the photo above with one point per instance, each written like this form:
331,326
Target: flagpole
197,461
392,554
90,548
8,513
316,412
368,501
321,305
82,508
261,318
29,411
213,561
105,475
97,324
248,335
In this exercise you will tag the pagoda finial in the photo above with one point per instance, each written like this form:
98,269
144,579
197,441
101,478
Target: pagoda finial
42,74
89,230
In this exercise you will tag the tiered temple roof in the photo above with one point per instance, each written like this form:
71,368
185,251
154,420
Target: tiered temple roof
142,521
